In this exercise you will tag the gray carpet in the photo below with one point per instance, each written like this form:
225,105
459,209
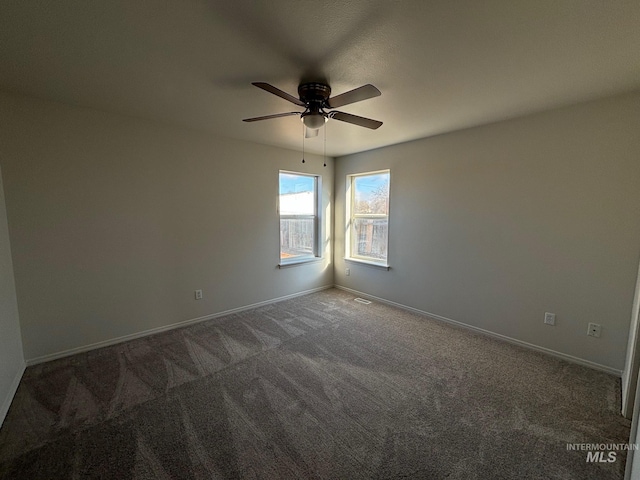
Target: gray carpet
318,386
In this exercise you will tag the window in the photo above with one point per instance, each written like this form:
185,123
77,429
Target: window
298,209
368,217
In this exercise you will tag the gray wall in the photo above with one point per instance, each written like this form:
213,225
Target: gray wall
495,225
11,358
115,221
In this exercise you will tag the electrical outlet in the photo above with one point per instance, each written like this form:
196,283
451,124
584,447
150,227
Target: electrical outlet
198,294
550,318
594,330
347,272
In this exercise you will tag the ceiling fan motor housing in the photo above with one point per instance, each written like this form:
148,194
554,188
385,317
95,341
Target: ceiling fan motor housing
314,93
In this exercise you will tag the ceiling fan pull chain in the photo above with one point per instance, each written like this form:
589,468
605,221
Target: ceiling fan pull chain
325,145
303,143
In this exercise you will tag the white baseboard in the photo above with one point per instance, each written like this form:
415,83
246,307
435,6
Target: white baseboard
12,392
164,328
184,323
531,346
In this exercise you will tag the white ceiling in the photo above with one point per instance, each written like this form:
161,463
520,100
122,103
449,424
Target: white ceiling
441,65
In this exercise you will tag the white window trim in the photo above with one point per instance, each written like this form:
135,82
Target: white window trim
349,256
316,255
368,263
302,261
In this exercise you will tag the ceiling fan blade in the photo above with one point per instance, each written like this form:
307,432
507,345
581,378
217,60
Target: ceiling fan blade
278,92
310,132
353,96
356,120
267,117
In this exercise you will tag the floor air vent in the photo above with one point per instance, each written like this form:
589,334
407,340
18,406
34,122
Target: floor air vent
362,300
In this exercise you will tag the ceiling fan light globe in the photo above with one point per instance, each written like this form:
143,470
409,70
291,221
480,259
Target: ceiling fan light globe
314,120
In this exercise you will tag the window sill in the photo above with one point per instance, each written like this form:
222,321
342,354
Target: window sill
300,262
368,263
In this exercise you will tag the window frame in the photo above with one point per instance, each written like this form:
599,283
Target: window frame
350,216
316,253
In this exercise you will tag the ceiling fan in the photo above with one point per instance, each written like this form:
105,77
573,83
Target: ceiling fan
316,100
